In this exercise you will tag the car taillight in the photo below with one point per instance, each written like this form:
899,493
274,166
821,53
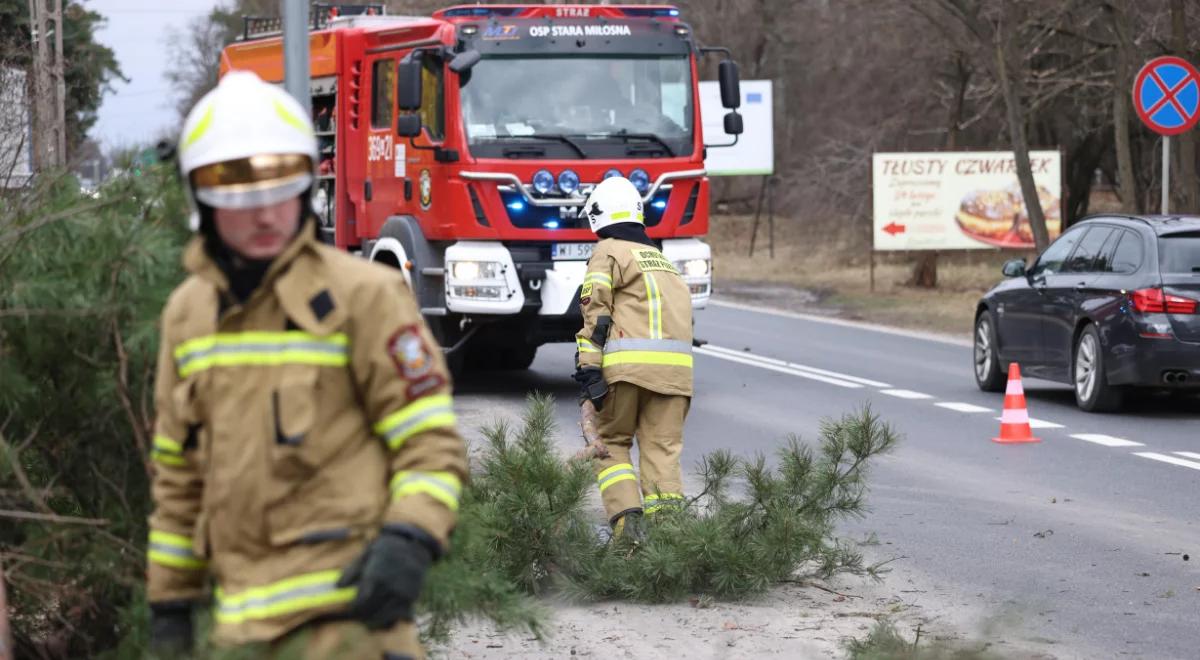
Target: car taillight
1156,301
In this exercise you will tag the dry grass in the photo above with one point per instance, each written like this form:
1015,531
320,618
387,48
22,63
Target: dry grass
828,271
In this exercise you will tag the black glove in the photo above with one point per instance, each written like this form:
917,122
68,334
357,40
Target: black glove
170,629
591,385
389,576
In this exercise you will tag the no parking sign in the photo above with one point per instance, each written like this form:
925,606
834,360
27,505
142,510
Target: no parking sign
1166,95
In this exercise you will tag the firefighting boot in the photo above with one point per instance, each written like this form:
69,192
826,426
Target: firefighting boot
630,526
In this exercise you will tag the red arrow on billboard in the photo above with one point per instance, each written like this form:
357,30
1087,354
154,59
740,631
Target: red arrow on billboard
893,228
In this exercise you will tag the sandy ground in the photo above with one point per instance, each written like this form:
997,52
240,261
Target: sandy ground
801,620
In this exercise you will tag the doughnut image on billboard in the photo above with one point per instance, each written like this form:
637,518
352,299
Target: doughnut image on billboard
961,200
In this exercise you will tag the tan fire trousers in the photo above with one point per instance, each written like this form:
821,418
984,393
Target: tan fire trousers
656,420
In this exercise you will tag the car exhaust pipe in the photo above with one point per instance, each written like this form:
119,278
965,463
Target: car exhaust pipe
1175,377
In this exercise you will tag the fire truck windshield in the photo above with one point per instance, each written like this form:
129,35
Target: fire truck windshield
606,107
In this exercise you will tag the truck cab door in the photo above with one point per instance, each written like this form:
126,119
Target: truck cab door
425,177
385,150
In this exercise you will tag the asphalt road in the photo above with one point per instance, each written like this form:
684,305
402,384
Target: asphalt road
1077,542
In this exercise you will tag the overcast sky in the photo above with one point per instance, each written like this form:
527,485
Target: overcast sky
137,31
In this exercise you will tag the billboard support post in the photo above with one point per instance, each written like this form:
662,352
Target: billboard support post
767,191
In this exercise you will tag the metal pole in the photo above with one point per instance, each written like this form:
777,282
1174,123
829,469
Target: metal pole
1166,183
295,51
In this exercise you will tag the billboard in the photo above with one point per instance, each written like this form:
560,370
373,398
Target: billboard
754,153
15,131
960,200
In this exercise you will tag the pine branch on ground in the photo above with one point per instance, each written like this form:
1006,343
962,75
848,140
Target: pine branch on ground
526,520
885,642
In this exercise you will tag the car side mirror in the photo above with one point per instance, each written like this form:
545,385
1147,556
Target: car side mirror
1014,268
463,61
408,86
731,89
408,125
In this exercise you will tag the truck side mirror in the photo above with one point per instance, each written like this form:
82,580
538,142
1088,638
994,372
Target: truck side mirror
733,123
408,95
731,89
408,125
464,61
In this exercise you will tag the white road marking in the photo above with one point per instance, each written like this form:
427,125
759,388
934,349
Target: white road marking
775,367
1039,424
792,365
963,407
1188,454
1168,459
1106,440
888,330
906,394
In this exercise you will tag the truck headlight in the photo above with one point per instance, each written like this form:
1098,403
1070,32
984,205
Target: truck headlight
471,271
693,267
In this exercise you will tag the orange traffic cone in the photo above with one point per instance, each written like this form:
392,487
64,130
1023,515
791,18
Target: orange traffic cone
1014,422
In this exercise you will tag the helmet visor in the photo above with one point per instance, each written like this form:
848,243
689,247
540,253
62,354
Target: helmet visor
260,180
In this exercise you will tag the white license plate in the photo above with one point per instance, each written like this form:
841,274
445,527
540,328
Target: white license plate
571,251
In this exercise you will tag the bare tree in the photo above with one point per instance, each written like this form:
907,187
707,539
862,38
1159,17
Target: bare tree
1127,185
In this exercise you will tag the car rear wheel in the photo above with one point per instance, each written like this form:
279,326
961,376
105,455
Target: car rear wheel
1093,393
989,374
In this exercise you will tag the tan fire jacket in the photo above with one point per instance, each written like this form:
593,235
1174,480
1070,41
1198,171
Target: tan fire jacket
291,429
637,318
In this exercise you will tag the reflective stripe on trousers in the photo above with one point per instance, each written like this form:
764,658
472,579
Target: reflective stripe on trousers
173,550
659,501
615,474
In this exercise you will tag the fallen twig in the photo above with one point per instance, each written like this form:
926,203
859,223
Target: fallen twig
46,517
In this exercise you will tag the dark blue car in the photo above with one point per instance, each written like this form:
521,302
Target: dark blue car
1111,305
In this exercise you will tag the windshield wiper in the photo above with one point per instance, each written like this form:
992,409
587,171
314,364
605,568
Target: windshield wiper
556,137
645,136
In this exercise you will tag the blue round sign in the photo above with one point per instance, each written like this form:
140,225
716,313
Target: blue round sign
1166,95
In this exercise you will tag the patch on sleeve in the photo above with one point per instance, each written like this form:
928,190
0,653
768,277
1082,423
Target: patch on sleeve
585,293
410,353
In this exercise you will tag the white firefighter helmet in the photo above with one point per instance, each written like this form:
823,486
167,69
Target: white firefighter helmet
613,200
246,144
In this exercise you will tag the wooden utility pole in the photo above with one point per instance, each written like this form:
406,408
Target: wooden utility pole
60,110
49,88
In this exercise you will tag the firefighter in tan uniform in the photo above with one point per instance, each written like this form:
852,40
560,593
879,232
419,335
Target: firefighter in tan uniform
307,462
634,358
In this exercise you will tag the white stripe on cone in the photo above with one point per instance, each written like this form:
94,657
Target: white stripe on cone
1015,416
1014,387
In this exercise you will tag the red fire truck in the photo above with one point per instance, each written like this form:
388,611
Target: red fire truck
460,148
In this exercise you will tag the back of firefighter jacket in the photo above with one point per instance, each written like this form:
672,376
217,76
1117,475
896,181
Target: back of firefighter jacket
637,318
